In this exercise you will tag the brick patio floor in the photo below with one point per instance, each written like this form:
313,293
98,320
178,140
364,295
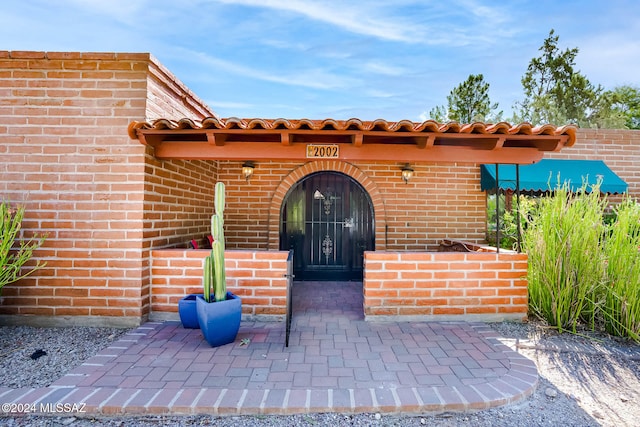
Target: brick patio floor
335,362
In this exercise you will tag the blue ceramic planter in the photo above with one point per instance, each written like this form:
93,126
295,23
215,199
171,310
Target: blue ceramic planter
219,321
188,312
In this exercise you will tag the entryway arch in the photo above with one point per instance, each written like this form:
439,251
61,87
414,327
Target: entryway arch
327,219
356,174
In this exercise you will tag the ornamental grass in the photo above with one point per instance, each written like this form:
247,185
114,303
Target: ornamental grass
582,270
564,241
14,250
621,309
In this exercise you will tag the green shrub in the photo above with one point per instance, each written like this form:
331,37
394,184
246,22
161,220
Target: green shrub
15,252
508,219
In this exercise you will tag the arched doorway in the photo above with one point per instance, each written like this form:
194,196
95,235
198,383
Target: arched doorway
327,219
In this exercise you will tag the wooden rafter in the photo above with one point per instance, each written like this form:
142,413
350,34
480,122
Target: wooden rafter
357,139
499,142
216,138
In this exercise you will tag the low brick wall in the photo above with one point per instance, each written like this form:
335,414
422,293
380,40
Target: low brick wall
470,286
445,286
255,276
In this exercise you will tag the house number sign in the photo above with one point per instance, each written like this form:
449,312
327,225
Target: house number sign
318,151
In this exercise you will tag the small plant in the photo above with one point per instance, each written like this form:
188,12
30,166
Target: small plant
13,259
215,282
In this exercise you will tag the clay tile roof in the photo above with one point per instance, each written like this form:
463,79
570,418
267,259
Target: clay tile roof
354,139
354,124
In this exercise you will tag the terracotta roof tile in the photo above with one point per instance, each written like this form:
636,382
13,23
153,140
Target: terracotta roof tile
354,124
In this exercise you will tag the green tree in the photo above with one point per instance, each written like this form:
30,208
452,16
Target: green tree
439,114
558,94
609,113
625,101
468,102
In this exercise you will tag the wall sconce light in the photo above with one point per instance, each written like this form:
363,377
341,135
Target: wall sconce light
247,170
407,173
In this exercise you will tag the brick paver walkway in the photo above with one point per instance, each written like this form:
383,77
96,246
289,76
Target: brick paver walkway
335,362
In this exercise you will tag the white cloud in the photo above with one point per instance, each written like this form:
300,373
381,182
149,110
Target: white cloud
357,20
223,104
128,11
611,59
314,78
427,23
377,93
424,116
384,69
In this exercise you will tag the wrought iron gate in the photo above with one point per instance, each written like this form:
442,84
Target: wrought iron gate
327,218
289,277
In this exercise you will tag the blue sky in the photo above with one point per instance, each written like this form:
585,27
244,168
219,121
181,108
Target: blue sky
391,59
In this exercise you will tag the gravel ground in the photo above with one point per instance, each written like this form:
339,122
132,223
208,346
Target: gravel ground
585,380
66,348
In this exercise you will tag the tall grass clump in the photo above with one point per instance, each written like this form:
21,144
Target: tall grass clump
15,251
564,240
621,309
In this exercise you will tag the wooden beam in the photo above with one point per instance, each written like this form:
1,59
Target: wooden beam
499,143
251,134
425,142
240,151
152,140
357,138
285,139
216,138
142,138
561,142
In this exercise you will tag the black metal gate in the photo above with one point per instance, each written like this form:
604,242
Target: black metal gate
327,218
289,277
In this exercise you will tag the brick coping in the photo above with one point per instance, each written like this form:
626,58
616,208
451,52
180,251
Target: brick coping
518,382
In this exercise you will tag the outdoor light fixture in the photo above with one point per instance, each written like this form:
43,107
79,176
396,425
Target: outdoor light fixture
247,170
407,173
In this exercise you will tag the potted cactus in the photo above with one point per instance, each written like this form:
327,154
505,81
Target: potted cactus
218,311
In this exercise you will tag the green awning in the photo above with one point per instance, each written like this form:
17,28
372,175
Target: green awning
547,173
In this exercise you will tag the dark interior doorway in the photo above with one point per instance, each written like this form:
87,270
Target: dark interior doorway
327,219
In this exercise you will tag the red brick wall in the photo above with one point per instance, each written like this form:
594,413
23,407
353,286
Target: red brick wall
445,285
66,155
167,97
440,201
256,276
439,285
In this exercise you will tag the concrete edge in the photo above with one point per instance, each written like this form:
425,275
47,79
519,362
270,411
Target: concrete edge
464,318
71,321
